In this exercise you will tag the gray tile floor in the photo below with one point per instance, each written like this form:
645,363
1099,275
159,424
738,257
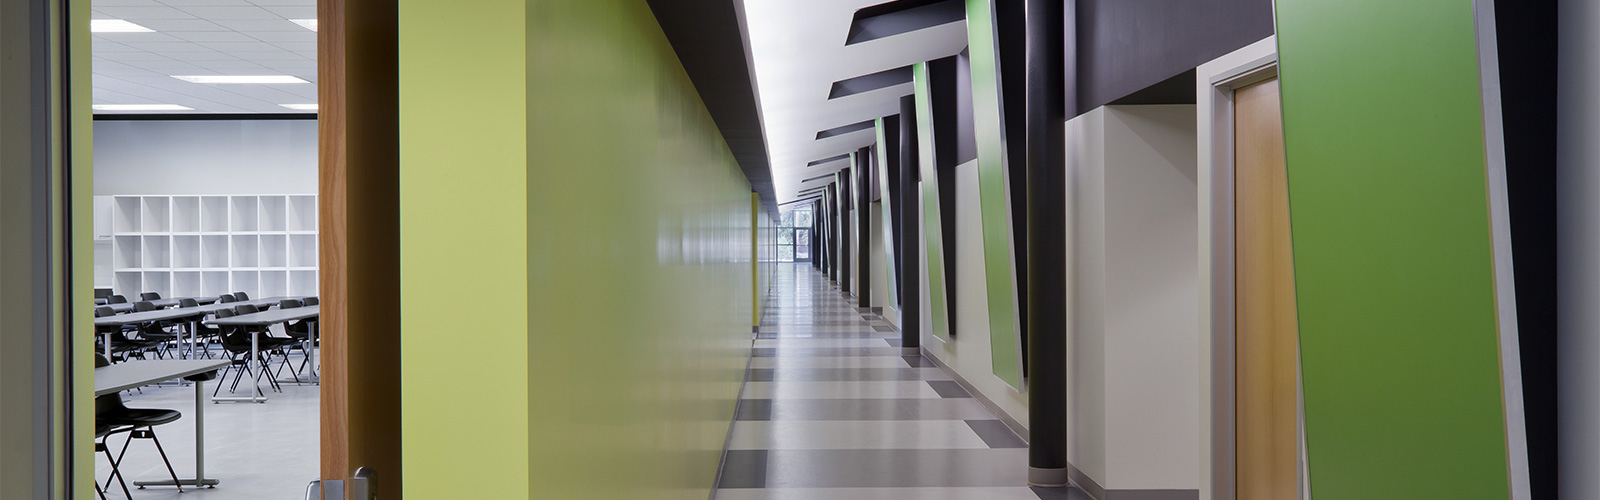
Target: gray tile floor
259,451
832,411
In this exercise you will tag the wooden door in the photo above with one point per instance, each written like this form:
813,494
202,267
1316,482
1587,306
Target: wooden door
1266,338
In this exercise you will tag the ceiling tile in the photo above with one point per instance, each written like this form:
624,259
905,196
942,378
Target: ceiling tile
137,14
294,11
213,36
230,12
248,25
304,35
180,25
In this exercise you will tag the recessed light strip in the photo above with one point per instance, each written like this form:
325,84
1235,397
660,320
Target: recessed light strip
116,26
300,107
232,79
310,24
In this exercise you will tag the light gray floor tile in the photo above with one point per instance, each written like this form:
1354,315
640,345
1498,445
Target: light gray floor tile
818,342
897,468
875,409
826,374
829,362
1012,493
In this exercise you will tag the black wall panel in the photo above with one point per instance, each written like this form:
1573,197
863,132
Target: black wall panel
1124,46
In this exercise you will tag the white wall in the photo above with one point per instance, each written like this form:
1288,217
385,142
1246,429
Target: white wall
205,157
1134,408
968,352
1578,223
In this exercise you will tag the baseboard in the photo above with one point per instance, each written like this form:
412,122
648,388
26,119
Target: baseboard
1010,422
1088,485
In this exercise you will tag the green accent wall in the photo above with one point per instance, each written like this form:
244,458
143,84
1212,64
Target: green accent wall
1393,260
994,195
932,220
82,237
576,272
885,192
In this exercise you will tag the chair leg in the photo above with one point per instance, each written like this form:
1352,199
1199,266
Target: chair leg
152,434
99,492
115,474
116,470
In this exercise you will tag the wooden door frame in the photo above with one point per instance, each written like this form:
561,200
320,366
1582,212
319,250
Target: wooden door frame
1215,85
358,251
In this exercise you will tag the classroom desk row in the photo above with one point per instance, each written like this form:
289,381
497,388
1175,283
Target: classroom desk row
192,316
126,307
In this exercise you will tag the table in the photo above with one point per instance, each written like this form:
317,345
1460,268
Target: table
127,375
192,313
172,302
267,318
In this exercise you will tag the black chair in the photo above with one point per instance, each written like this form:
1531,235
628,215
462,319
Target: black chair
116,299
310,301
300,331
120,342
241,296
236,341
182,303
139,423
227,298
156,331
149,296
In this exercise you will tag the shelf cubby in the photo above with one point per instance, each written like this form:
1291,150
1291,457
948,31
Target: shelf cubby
248,282
126,214
214,283
185,214
186,284
214,214
185,251
157,281
125,252
127,283
274,214
214,251
302,250
157,215
274,250
157,252
302,213
243,212
302,283
245,253
274,284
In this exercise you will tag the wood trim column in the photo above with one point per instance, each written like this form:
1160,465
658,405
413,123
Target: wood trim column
359,253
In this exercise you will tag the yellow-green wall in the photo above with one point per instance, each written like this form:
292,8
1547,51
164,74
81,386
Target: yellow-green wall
575,256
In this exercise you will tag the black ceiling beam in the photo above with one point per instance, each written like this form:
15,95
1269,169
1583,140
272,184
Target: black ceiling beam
851,128
709,39
867,83
904,16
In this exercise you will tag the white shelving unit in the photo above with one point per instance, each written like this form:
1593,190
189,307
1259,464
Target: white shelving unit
263,245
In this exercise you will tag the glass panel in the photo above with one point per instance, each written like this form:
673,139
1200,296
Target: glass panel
802,236
785,236
786,219
802,218
785,253
802,252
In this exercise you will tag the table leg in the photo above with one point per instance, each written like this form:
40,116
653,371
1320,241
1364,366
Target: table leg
256,396
199,446
107,335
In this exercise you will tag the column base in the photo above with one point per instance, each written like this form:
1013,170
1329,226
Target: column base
1047,477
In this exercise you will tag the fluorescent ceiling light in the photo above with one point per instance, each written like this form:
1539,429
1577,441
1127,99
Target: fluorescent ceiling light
115,26
140,107
240,79
300,107
310,24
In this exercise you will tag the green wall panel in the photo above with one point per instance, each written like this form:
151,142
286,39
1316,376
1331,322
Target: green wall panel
464,231
932,225
994,195
884,190
1393,259
577,272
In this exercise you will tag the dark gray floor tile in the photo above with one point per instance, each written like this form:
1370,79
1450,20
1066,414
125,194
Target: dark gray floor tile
800,352
744,469
996,434
876,409
895,468
833,374
881,328
893,342
919,362
948,389
753,409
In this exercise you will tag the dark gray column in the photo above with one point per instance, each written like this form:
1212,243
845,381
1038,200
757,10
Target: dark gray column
816,236
1046,244
843,203
908,248
863,199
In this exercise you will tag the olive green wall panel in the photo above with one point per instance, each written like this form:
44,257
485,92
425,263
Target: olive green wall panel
932,219
1384,134
570,209
994,192
886,191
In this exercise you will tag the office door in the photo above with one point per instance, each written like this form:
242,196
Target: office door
1266,332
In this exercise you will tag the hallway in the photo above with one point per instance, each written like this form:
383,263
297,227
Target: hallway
832,410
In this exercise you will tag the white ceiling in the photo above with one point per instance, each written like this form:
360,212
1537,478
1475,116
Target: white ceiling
798,51
206,37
